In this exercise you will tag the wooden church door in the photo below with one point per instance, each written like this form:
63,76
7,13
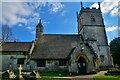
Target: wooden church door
81,65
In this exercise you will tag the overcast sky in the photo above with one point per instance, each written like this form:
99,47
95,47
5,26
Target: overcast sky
57,17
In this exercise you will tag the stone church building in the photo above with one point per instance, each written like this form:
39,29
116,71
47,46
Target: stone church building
85,52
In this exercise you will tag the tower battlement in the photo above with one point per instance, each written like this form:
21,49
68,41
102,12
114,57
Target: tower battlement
88,9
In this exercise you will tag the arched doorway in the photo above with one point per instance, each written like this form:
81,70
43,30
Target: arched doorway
82,65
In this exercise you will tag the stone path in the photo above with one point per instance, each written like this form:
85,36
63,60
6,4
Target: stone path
85,77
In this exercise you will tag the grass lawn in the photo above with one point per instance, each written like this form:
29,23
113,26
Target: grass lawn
106,78
52,79
44,79
95,78
61,74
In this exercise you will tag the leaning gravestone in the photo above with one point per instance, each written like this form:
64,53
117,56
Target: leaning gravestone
35,74
8,74
5,75
11,74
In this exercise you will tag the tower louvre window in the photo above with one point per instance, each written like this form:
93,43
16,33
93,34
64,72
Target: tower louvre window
92,18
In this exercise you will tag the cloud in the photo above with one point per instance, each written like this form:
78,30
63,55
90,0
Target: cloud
114,12
33,32
63,12
25,12
108,6
11,13
45,23
36,5
95,5
112,32
55,7
30,28
20,25
111,29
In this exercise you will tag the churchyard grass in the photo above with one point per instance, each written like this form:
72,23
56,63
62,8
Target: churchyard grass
54,74
106,77
46,79
94,78
53,79
62,74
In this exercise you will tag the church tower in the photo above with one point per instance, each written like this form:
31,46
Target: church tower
39,30
91,27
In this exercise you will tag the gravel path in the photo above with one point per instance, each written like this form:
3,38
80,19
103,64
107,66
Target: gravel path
84,77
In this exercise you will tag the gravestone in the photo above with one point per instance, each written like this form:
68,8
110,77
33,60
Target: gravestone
35,74
116,66
8,74
5,75
20,68
19,77
11,73
10,67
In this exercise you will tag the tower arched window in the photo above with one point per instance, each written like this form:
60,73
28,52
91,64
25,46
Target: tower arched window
92,18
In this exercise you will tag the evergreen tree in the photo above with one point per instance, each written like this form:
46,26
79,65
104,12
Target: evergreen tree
115,50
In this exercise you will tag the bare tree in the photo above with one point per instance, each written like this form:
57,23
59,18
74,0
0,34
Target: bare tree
6,34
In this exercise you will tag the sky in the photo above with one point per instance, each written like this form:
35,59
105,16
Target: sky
57,17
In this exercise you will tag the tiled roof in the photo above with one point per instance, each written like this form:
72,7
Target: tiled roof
53,46
15,46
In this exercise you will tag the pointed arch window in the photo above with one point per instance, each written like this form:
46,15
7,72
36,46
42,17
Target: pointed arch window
92,18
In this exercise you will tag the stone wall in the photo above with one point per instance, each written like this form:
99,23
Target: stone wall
50,65
6,60
85,18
